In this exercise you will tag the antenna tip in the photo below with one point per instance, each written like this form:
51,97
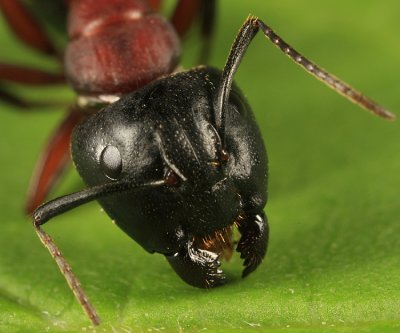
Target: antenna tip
386,114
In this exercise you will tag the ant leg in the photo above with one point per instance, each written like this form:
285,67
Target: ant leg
246,34
25,26
186,13
29,76
10,98
21,104
199,268
53,160
254,241
208,14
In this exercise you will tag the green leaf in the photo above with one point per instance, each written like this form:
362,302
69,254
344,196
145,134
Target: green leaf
334,257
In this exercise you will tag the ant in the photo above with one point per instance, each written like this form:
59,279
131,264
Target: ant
178,161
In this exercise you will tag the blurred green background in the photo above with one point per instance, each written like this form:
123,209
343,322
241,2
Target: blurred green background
334,256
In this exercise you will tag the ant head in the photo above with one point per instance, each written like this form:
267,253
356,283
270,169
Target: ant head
164,131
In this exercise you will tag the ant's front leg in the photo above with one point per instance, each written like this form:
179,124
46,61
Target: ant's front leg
197,267
254,241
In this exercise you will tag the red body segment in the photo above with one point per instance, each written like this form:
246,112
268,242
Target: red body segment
83,13
117,46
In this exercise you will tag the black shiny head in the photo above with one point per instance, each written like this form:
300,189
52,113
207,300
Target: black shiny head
167,131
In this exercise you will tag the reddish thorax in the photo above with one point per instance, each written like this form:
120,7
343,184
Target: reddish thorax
117,46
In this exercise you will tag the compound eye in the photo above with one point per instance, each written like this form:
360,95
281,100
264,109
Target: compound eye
111,162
